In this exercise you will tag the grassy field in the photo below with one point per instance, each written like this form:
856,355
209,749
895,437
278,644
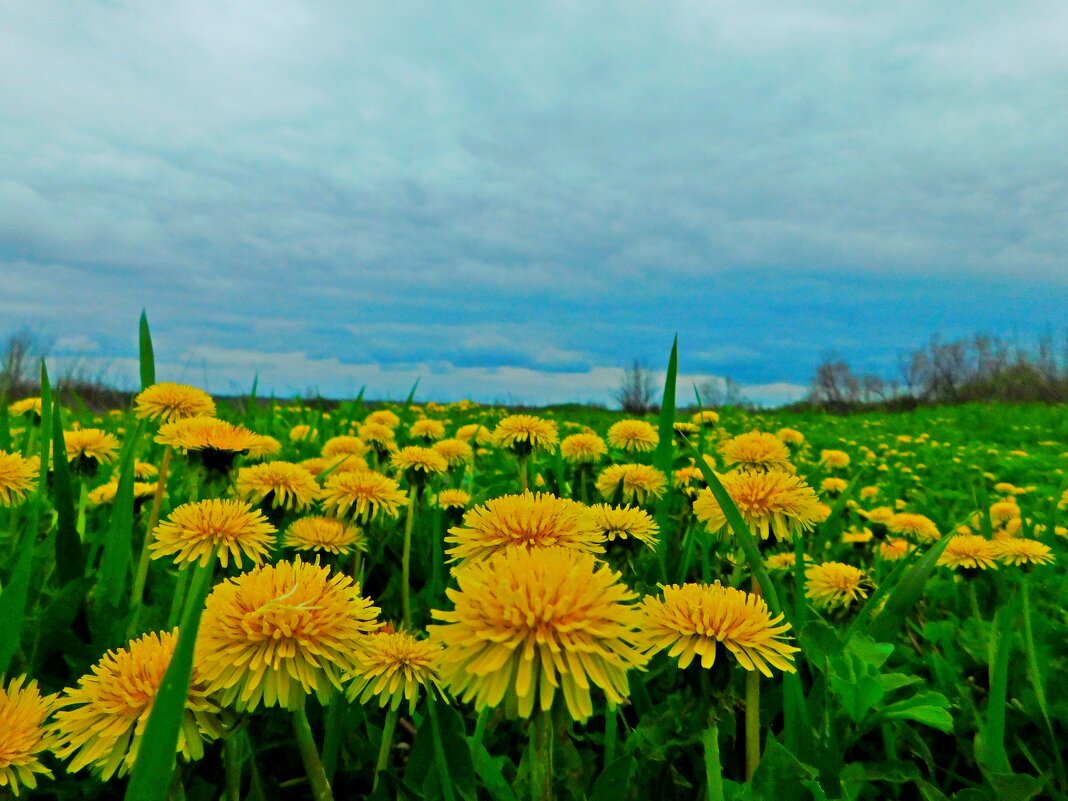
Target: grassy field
362,602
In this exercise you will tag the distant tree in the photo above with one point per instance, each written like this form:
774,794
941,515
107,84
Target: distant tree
637,389
21,355
715,393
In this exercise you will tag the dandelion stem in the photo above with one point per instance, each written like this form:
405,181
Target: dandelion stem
713,766
752,723
541,772
406,562
141,576
439,752
610,733
386,746
231,757
524,477
309,753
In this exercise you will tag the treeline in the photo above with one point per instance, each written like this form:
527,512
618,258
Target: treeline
976,368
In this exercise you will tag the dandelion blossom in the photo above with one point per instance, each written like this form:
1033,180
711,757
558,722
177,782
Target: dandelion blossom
196,532
694,619
25,405
528,623
834,459
430,430
456,451
281,631
914,526
473,431
634,482
325,534
286,485
894,548
791,436
343,446
166,402
362,494
90,444
756,450
17,477
707,418
383,417
834,584
1020,551
583,448
102,720
453,499
969,551
215,443
524,521
633,435
625,522
23,735
524,433
775,502
395,667
417,464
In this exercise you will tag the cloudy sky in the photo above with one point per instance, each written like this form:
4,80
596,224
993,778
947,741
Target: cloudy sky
515,200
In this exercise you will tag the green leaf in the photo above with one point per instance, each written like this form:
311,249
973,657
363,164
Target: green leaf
452,753
614,780
990,740
148,358
118,545
13,600
151,776
928,708
886,624
780,775
70,561
489,770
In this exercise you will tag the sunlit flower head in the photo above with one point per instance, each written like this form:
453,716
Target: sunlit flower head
914,526
213,442
381,436
523,521
90,444
1004,511
145,470
693,620
453,499
834,584
625,522
834,485
105,493
634,483
284,484
784,561
383,417
893,548
706,418
834,459
756,450
473,431
301,432
1022,551
263,446
23,735
527,623
102,720
417,464
324,534
867,493
969,551
17,477
200,531
633,436
362,495
775,502
166,402
524,433
791,436
881,515
857,537
281,631
24,406
456,451
583,448
393,667
428,429
684,428
343,446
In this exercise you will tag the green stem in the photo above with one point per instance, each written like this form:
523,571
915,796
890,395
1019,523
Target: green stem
406,563
610,733
752,723
179,597
713,766
141,575
524,477
231,757
386,745
480,725
439,753
309,753
335,724
541,772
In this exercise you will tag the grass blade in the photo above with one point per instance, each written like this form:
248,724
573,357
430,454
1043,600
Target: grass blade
118,547
70,560
665,450
905,594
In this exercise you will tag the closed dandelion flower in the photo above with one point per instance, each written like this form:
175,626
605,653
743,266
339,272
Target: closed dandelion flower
453,499
430,430
197,532
283,484
529,623
625,522
775,502
583,448
834,459
279,632
363,495
756,450
418,464
524,521
914,526
894,548
343,446
102,720
325,534
90,444
693,620
383,417
706,418
834,584
456,451
791,436
473,431
1021,552
633,435
166,402
634,483
17,477
970,552
394,667
23,735
525,433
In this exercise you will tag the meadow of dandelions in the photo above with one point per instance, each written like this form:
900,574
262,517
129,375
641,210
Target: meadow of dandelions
271,600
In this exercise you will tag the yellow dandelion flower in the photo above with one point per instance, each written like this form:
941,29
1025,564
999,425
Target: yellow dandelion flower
1004,511
633,435
1020,551
417,464
775,502
915,526
969,551
473,431
790,436
694,619
279,632
456,451
634,483
857,537
106,492
894,548
145,470
834,459
102,720
25,405
707,418
343,446
167,402
196,532
325,534
453,499
301,432
583,448
866,493
784,561
90,443
394,667
263,446
427,429
23,735
881,515
206,434
527,623
684,428
756,450
379,435
525,433
834,485
625,522
383,417
17,477
284,484
524,521
362,494
834,584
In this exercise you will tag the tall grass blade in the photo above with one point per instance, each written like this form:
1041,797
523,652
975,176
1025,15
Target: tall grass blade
906,593
118,546
70,560
148,357
665,450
